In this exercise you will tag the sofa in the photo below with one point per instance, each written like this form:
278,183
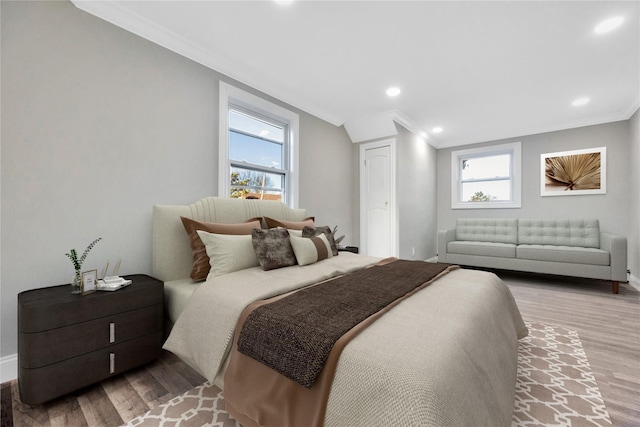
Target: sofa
566,247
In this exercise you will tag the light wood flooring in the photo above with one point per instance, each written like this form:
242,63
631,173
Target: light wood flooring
608,325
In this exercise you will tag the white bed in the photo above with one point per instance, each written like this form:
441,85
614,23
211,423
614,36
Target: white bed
445,356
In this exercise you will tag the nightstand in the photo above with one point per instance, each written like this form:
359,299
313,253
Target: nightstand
353,249
66,341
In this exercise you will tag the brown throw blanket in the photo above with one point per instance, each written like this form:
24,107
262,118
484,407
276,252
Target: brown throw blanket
295,335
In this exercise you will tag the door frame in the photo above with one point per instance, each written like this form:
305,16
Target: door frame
393,214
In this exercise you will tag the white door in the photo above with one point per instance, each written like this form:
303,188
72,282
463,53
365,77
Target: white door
377,199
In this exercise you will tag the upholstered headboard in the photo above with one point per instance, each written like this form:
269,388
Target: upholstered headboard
172,255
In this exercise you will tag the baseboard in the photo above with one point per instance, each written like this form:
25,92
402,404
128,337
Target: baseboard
8,368
634,282
433,259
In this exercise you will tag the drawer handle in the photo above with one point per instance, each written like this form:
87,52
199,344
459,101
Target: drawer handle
112,332
112,363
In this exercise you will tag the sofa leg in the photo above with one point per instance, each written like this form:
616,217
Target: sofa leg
616,285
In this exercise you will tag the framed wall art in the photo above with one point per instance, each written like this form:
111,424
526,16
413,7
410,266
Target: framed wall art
572,173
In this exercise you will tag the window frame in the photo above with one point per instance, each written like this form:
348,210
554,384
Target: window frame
514,150
230,97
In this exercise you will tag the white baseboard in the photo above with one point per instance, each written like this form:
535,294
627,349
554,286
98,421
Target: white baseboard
8,368
634,282
433,259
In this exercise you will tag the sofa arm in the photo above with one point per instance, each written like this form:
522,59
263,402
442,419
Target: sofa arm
444,237
616,245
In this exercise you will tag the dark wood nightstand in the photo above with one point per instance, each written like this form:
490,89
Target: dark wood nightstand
66,341
353,249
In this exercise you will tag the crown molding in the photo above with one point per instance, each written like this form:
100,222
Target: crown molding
543,128
116,14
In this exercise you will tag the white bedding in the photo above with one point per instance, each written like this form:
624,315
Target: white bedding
446,356
203,332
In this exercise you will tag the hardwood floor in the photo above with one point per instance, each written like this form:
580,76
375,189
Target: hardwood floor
608,325
110,403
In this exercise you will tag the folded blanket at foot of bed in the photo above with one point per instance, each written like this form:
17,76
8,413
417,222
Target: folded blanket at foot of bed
294,335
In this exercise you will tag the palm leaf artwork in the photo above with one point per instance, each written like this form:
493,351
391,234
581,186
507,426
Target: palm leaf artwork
575,172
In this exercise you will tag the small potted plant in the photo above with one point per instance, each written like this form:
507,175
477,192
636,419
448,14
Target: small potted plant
76,284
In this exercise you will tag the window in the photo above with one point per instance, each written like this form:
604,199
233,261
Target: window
486,177
258,156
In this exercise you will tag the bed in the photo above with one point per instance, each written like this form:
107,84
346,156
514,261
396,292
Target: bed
446,356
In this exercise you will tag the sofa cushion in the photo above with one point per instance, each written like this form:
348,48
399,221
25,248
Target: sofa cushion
559,232
503,250
496,230
568,254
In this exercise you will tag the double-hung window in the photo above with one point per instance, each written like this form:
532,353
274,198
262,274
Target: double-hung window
486,177
257,148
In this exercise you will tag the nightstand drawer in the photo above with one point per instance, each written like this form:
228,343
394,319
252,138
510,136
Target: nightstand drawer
46,383
54,345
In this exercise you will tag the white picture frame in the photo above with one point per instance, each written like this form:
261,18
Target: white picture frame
89,281
574,173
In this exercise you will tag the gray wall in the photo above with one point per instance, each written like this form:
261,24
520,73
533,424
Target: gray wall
417,214
634,187
613,209
98,125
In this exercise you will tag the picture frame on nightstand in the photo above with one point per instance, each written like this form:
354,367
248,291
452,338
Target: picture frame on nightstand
89,281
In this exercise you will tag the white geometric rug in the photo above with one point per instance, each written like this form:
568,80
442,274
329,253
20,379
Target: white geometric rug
555,387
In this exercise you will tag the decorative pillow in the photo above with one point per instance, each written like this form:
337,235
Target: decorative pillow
311,249
228,252
311,232
201,264
294,225
273,248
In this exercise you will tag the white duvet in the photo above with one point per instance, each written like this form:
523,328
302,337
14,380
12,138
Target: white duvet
447,356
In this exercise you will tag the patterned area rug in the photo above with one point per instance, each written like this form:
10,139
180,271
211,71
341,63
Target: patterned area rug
555,387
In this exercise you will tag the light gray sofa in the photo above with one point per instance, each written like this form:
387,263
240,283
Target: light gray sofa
566,247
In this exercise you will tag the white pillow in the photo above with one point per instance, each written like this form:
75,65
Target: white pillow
228,253
310,249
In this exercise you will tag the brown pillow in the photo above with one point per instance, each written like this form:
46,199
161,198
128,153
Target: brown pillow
273,248
293,225
201,265
312,232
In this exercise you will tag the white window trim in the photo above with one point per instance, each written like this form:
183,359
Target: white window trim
231,94
513,148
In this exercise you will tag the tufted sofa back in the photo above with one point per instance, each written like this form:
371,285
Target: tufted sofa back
560,232
496,230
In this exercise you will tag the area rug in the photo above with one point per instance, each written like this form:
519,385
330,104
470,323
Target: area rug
555,387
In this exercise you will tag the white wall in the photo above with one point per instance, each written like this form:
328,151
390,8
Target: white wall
613,209
98,125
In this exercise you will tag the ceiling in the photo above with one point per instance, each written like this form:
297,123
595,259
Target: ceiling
481,70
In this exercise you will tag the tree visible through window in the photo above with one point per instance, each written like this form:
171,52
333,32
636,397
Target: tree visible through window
257,156
486,178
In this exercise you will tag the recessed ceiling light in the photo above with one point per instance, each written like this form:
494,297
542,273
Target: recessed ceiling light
580,101
393,91
437,129
608,25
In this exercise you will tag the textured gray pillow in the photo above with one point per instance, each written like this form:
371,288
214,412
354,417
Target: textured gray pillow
316,231
273,248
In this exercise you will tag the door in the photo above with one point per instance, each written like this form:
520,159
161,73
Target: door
377,199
